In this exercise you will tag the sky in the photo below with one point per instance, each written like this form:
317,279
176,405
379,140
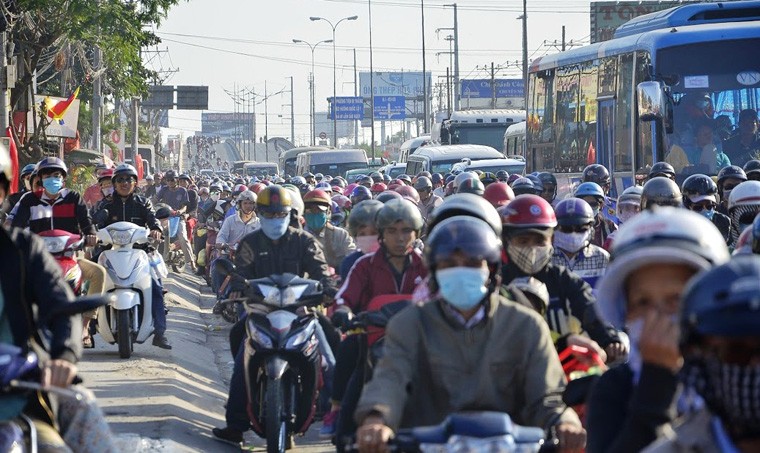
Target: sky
226,44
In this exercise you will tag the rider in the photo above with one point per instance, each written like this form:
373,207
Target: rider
335,241
127,206
700,194
599,174
628,206
743,206
178,199
428,200
450,354
728,178
593,194
361,226
655,254
549,182
721,347
660,191
106,188
572,241
26,186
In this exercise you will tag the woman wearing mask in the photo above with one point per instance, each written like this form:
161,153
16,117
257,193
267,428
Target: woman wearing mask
655,254
361,226
593,194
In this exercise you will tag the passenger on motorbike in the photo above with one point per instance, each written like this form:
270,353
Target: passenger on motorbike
598,173
509,363
700,194
177,198
743,206
428,200
655,254
593,194
628,206
361,226
335,241
728,178
127,206
660,191
25,178
720,342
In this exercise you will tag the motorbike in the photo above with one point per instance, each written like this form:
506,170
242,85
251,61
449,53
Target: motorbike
171,250
20,376
228,310
471,432
370,328
582,367
282,355
128,319
63,245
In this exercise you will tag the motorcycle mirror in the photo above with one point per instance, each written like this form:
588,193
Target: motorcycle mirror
78,306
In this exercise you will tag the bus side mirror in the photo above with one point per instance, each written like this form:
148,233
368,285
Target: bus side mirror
651,100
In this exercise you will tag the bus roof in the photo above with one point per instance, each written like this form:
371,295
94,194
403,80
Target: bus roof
415,142
487,116
457,151
263,164
650,41
302,149
329,155
515,129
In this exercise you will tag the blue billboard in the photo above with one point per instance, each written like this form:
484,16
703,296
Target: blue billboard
481,88
390,108
347,108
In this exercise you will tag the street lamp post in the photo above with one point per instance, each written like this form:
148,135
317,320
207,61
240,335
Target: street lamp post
335,120
312,125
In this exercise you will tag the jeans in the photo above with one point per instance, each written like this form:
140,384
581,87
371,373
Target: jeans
158,309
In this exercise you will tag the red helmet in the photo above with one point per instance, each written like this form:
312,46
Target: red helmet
349,188
378,187
256,187
498,194
409,192
317,196
528,212
342,201
105,174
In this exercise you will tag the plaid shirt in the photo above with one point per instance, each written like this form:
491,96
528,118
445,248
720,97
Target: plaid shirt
589,264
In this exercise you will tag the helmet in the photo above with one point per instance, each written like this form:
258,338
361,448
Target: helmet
297,202
378,187
388,195
323,185
589,189
465,234
240,188
661,191
755,235
399,210
405,178
529,213
186,177
488,178
319,177
537,183
349,189
298,181
170,174
423,183
343,202
437,178
522,186
662,169
308,175
502,175
409,192
386,178
471,186
631,195
665,235
49,164
466,204
317,196
512,178
216,187
237,180
722,301
498,194
105,174
697,188
275,199
359,194
732,171
340,182
376,176
548,179
256,187
150,178
163,211
751,168
363,214
463,176
124,170
246,195
574,211
743,205
596,173
203,191
226,187
365,181
27,170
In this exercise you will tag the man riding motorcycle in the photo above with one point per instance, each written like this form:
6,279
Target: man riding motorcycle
177,198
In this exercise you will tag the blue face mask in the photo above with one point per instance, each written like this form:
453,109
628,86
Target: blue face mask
462,287
709,213
52,184
316,221
274,228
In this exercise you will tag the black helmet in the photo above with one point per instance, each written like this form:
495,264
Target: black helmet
387,196
502,175
548,179
488,178
471,186
376,176
537,183
752,169
171,174
437,178
662,169
574,212
732,171
661,191
163,211
524,185
399,210
423,183
597,173
697,188
274,199
124,170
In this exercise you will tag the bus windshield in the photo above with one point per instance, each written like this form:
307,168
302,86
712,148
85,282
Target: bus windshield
478,134
336,169
714,82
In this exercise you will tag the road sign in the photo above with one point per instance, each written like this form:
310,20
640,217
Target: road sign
390,108
347,108
323,135
481,88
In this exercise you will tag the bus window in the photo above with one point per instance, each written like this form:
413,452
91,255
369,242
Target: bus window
567,113
589,76
623,120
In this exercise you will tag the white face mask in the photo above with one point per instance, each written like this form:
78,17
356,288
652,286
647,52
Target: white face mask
215,196
107,192
571,242
368,244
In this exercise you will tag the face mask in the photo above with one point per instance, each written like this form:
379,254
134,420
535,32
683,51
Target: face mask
316,221
709,213
462,287
368,244
274,228
530,259
634,329
571,242
215,196
53,185
107,192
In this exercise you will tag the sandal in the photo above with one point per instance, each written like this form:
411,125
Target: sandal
88,342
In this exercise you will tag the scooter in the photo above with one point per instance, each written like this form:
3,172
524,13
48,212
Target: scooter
171,250
63,245
282,355
129,318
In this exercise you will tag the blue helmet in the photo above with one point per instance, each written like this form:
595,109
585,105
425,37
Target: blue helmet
359,194
28,169
469,235
574,211
589,189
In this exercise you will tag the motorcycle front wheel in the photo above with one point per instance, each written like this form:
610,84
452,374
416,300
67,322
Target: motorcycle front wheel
178,263
276,425
124,334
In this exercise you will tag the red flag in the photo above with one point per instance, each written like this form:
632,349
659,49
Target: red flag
139,166
14,159
591,154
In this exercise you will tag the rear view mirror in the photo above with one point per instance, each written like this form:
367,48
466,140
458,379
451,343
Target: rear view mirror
651,100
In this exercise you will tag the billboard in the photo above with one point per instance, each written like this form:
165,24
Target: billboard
225,124
65,126
400,84
608,16
481,88
347,107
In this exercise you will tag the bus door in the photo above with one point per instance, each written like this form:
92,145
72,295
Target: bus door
605,139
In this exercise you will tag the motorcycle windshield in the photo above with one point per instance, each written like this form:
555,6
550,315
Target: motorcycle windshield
282,297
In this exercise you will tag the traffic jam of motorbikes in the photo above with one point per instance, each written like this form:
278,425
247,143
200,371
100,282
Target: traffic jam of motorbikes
579,274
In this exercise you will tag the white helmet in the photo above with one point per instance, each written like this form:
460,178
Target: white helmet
664,235
247,195
296,200
743,205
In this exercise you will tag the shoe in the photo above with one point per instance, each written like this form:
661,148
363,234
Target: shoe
228,435
160,340
329,424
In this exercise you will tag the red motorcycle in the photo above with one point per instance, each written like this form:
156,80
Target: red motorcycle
582,367
63,245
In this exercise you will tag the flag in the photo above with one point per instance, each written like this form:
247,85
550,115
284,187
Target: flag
14,160
591,154
58,109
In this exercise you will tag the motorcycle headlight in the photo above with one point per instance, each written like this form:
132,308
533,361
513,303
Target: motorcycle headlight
258,337
298,339
55,244
462,444
121,237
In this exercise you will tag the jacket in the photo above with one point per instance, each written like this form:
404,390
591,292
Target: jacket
372,275
625,417
336,243
32,287
432,367
67,212
571,303
234,229
135,208
426,208
589,263
694,434
723,223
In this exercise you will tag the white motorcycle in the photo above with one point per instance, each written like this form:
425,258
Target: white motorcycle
128,318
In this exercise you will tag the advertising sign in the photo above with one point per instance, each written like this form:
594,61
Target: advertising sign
63,123
347,108
608,16
481,88
390,108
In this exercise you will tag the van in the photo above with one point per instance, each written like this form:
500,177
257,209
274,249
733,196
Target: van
288,158
511,166
261,169
333,162
410,146
440,158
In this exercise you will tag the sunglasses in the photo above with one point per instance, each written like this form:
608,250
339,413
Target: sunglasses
729,187
170,179
702,207
274,215
123,180
573,228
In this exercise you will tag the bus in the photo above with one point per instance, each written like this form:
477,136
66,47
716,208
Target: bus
288,158
477,127
514,140
333,162
637,98
440,159
261,169
410,146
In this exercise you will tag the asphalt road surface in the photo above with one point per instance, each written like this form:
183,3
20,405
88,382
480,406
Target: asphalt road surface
168,401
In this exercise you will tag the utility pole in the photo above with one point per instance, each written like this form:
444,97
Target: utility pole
457,87
563,38
424,71
493,87
4,82
525,52
266,122
97,102
371,84
356,94
292,114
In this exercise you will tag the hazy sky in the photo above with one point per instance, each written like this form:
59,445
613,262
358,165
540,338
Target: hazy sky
222,43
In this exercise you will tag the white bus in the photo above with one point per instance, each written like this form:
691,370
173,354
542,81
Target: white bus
514,140
478,127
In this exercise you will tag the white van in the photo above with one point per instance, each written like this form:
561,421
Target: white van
333,162
261,169
440,159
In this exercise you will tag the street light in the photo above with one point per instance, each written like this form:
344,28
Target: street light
335,121
312,125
